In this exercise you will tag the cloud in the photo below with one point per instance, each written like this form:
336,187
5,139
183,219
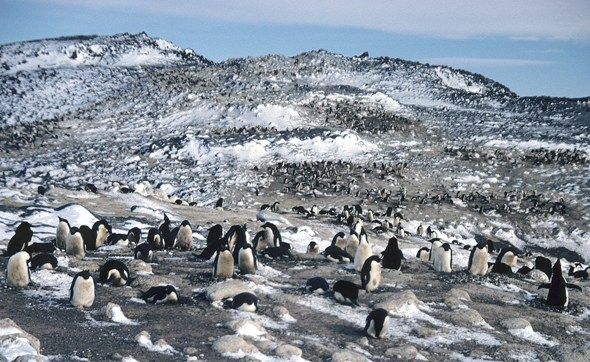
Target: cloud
487,62
517,19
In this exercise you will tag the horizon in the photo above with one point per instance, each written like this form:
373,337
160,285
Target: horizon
541,57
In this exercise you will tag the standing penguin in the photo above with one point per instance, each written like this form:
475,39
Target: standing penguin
435,249
62,233
371,273
82,290
377,323
420,230
184,238
114,272
363,252
75,244
423,254
155,239
17,270
102,230
558,293
166,233
223,266
160,294
392,255
272,236
339,240
214,240
246,259
444,259
478,259
21,238
543,264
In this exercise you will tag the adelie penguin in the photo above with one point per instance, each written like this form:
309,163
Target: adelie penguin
543,264
339,240
155,239
392,255
504,262
161,294
313,248
82,290
223,266
246,302
336,254
346,292
246,259
20,239
214,241
363,252
184,237
62,233
133,236
371,274
478,259
317,285
558,294
377,323
168,236
44,261
444,259
143,251
75,244
423,254
114,272
101,230
272,235
17,270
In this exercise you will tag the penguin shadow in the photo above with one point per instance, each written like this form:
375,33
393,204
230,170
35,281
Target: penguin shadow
573,309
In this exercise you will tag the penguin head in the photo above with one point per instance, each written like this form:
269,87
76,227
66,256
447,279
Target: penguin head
490,245
74,230
84,274
557,268
313,247
104,224
24,230
185,223
61,219
134,235
392,243
446,247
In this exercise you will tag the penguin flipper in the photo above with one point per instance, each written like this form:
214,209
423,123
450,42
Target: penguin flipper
573,286
544,285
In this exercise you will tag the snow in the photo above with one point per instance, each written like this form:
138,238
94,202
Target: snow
536,144
529,334
12,348
458,81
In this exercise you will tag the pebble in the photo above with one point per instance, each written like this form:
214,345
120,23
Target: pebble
233,344
406,353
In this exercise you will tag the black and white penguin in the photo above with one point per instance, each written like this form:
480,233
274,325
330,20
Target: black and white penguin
543,264
558,294
88,236
346,292
363,251
18,274
167,234
339,240
133,236
317,285
62,233
114,272
578,271
102,230
444,260
236,234
82,290
161,294
223,266
423,254
377,323
478,259
44,261
436,244
276,252
313,248
184,237
504,261
155,239
33,248
214,241
75,243
392,255
246,302
273,235
335,254
219,203
420,230
246,259
143,251
21,238
371,273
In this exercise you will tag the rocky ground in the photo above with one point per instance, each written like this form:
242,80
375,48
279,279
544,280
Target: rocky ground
436,316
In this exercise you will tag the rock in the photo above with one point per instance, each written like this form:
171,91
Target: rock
117,356
280,311
424,332
363,341
190,351
467,317
539,276
31,358
460,294
145,282
321,350
406,353
247,327
226,289
8,328
574,353
233,344
139,266
348,356
89,265
515,323
399,301
454,303
287,351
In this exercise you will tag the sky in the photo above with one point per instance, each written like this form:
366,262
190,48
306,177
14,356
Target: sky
534,47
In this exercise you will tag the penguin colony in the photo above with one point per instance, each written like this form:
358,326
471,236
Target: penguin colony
234,253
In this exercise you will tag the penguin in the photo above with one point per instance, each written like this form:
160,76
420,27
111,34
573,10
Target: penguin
435,249
114,272
392,255
420,230
346,292
275,252
363,252
62,233
358,226
44,261
272,236
400,231
377,323
558,294
423,254
478,259
317,285
184,238
339,240
352,243
75,244
214,240
160,294
313,248
503,263
579,274
246,259
223,266
144,252
82,290
102,230
444,259
335,254
21,238
236,234
543,264
371,273
40,248
18,274
246,302
168,236
219,203
155,239
133,236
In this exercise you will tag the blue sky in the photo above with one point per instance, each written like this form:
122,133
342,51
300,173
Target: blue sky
535,47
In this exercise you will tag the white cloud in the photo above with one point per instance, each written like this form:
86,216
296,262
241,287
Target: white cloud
517,19
486,62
